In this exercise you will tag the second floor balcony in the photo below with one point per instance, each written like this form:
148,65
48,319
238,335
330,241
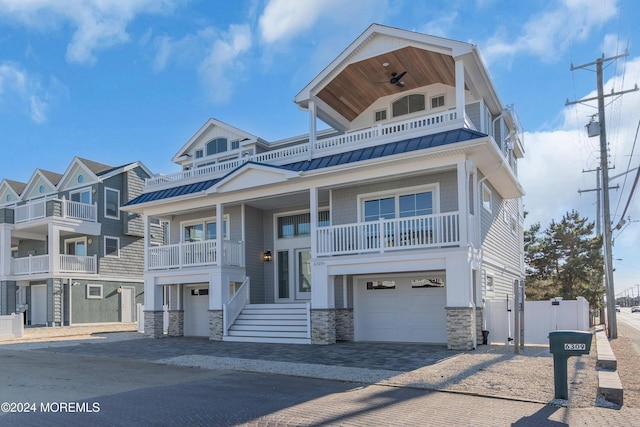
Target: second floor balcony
48,264
35,210
195,254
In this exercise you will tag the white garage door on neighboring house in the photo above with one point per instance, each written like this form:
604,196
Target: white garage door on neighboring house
196,314
400,309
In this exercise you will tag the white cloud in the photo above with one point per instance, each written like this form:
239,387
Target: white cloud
549,33
99,24
222,64
441,25
18,88
282,19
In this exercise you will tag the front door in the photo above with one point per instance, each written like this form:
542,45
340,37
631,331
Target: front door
293,274
127,304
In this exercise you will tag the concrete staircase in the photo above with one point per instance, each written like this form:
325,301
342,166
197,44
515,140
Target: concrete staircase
274,323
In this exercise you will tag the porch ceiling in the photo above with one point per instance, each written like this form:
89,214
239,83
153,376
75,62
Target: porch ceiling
356,87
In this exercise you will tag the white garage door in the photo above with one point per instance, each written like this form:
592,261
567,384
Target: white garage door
400,310
196,315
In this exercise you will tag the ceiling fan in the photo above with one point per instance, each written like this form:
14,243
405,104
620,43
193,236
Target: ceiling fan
395,79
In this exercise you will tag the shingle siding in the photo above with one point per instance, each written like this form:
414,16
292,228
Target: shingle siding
254,248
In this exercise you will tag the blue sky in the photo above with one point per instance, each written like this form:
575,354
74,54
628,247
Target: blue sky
118,81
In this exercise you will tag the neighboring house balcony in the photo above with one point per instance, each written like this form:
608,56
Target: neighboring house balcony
382,133
45,264
63,208
418,232
195,254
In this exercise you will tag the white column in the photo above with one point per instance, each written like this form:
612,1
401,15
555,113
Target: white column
312,127
54,248
460,89
153,295
5,250
458,280
313,206
322,289
146,242
219,233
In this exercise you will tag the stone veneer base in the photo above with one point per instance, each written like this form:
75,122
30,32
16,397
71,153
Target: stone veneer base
176,323
323,326
215,325
344,324
460,326
153,324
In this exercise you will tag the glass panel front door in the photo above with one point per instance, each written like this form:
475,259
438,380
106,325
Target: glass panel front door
303,273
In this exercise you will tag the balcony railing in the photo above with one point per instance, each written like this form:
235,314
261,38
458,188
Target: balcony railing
389,234
341,143
32,211
192,254
41,264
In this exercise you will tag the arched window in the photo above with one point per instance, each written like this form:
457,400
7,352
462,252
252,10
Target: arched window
408,104
215,146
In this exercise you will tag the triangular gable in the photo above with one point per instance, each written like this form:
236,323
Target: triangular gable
251,175
378,39
78,174
212,129
41,184
10,191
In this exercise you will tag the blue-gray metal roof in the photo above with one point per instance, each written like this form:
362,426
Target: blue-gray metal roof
389,149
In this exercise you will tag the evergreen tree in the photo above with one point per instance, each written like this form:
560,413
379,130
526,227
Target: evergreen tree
564,260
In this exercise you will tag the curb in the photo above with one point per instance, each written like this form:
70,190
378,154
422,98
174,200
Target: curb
609,385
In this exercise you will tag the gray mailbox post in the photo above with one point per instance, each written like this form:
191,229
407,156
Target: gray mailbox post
563,345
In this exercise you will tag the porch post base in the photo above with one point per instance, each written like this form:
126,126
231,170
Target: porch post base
153,324
323,326
479,312
344,324
460,328
176,323
215,325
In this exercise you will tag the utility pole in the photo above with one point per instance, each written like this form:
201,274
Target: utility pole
612,325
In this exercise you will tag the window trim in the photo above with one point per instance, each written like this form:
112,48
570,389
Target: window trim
115,190
76,240
397,193
104,246
216,139
277,216
444,101
407,97
80,191
96,286
382,111
486,204
204,221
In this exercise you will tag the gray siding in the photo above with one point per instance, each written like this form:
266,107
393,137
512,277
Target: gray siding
344,201
107,309
254,248
133,187
473,113
6,216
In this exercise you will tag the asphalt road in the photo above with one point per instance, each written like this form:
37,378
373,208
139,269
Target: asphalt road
631,324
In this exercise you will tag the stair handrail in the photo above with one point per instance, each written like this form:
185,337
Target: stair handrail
232,309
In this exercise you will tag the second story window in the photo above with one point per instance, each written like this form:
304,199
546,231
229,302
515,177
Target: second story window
408,104
81,196
215,146
111,203
437,101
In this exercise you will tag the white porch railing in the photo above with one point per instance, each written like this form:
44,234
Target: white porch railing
82,211
69,209
78,264
231,310
38,264
341,143
191,254
389,234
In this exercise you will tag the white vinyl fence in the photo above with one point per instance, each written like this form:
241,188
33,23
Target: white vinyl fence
12,326
540,318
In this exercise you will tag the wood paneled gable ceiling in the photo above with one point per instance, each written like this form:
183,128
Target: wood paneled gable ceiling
360,84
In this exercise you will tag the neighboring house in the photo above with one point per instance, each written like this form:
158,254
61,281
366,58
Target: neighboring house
394,225
68,255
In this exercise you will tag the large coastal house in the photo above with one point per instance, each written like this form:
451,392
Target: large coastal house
397,223
68,255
